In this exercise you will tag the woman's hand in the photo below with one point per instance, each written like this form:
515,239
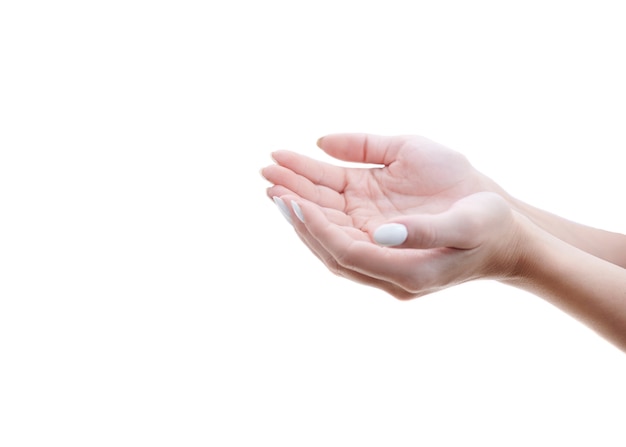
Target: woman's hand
425,219
416,176
447,224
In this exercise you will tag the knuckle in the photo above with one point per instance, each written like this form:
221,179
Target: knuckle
413,287
331,264
416,284
426,236
402,295
348,259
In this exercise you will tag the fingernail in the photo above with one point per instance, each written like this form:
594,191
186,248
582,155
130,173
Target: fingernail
297,210
391,234
280,203
319,141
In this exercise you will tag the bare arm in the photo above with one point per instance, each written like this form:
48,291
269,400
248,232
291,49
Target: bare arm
426,220
601,243
591,289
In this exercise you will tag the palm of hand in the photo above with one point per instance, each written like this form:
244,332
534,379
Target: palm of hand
424,178
448,203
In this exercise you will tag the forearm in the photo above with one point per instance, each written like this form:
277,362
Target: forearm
584,286
603,244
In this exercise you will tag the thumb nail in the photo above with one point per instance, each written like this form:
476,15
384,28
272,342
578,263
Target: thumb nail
391,234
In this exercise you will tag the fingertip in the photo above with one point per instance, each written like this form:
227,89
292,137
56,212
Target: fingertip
263,172
297,210
282,207
271,191
277,155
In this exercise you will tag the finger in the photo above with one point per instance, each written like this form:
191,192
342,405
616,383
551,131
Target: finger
416,271
423,231
335,216
318,172
464,225
277,191
329,261
338,270
362,148
303,187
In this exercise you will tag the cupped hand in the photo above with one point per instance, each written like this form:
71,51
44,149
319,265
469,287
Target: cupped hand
447,210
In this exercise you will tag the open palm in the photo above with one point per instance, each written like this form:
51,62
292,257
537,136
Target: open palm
454,211
415,175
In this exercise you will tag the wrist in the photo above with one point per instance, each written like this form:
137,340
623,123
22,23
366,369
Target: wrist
524,249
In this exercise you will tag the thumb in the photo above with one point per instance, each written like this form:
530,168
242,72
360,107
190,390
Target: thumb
420,232
463,226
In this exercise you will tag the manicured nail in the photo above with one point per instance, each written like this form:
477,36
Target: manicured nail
280,203
298,211
391,234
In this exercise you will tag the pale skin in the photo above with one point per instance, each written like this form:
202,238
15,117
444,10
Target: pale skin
460,226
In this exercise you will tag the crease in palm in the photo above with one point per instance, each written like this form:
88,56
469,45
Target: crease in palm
414,183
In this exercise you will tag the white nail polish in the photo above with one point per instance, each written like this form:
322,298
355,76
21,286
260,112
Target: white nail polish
297,211
280,203
391,234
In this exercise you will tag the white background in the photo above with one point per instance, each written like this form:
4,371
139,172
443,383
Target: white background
150,294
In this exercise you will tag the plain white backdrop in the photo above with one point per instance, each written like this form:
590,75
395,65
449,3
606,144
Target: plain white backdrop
150,294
